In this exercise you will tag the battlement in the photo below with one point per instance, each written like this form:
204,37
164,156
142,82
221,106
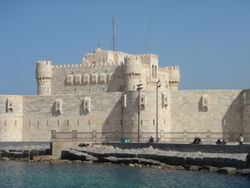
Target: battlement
69,66
44,62
173,68
76,66
133,58
44,70
174,77
105,67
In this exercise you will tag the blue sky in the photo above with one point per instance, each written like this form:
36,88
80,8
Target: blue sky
209,40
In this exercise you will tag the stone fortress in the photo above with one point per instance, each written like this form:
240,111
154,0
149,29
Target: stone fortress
114,95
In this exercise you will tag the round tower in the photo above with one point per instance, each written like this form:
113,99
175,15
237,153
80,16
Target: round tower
130,117
174,77
132,72
44,75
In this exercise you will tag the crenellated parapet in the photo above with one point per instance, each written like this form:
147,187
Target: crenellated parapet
106,70
44,70
101,57
174,77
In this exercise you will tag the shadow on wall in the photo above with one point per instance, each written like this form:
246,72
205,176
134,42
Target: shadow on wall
112,126
232,122
117,79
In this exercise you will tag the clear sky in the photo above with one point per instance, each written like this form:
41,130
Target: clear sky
209,40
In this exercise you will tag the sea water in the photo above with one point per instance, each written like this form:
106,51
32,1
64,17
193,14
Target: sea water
24,174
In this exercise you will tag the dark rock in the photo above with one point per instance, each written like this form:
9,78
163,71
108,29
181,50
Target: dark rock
209,168
4,154
227,170
72,156
243,172
15,155
26,154
170,167
83,145
124,155
192,167
33,152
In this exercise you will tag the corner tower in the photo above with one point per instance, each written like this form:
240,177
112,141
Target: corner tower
174,77
133,72
44,75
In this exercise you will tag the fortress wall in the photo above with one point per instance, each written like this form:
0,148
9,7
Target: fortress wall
40,119
11,120
224,112
147,116
114,78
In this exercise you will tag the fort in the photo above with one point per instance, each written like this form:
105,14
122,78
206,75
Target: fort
114,95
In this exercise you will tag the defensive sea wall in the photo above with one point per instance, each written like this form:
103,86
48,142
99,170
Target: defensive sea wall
226,114
11,117
32,118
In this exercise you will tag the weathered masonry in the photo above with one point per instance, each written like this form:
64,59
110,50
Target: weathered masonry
114,95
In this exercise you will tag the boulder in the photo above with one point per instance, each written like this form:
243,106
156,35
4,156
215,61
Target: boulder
243,172
43,158
227,170
209,168
192,167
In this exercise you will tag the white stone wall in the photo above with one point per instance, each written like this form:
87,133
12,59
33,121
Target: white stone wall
11,121
40,119
114,79
147,124
224,114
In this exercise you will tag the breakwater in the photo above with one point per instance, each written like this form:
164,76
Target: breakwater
23,150
153,157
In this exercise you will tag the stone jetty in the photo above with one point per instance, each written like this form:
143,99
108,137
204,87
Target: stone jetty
228,163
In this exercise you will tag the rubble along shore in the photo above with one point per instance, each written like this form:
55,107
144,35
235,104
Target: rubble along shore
144,157
150,157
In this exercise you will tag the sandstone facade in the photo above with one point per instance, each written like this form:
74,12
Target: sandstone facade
100,98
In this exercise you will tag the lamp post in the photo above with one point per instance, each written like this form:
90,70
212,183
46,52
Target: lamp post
158,84
139,88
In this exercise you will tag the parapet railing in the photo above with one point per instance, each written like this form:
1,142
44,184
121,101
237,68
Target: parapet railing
181,137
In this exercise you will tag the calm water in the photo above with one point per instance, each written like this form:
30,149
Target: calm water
21,174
